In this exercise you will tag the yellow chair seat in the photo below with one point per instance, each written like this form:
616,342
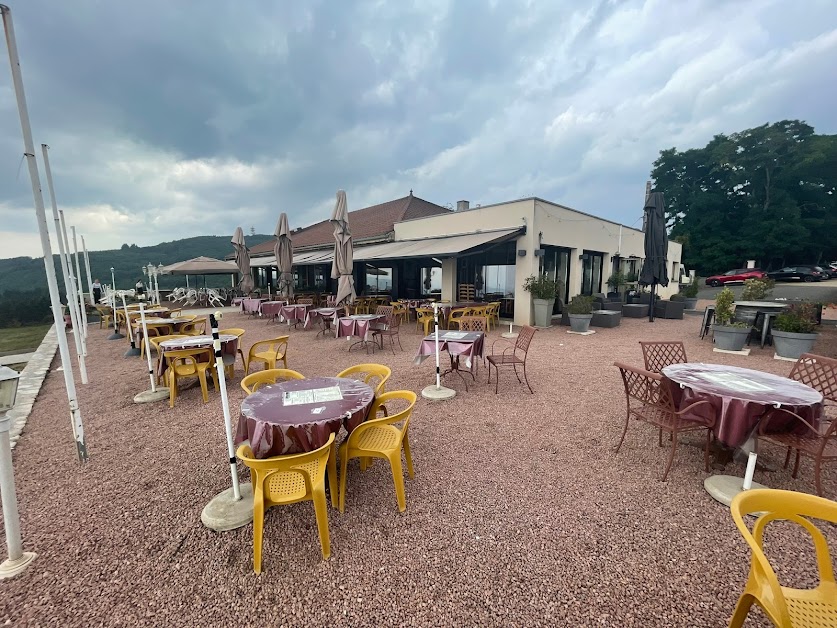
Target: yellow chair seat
380,438
807,608
288,487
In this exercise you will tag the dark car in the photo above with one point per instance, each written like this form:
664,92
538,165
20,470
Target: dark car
802,272
831,269
738,275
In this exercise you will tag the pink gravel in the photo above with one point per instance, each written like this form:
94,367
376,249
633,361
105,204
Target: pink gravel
520,514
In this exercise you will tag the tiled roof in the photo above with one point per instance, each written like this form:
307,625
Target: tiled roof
370,223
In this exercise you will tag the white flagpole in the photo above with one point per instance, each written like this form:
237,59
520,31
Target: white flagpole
437,392
115,335
153,394
133,351
436,336
79,333
87,268
40,212
225,402
80,289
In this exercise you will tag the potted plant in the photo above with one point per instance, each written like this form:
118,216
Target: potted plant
580,313
729,335
690,293
616,281
757,289
793,330
544,291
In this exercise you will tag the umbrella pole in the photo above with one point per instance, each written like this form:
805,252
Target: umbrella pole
153,394
651,302
437,392
133,351
232,508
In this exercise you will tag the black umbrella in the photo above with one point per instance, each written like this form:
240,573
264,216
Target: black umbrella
656,247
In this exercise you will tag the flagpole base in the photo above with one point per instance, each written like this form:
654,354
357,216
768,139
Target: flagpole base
11,568
133,352
150,396
116,336
440,393
224,513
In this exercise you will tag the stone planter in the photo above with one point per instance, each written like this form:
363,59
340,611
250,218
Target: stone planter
580,322
730,338
690,303
543,312
792,345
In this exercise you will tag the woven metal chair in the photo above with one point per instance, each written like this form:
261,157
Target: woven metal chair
659,355
512,356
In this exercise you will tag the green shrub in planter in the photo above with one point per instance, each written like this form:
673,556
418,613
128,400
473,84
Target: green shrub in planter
616,281
677,297
757,289
580,305
799,318
691,291
724,310
543,287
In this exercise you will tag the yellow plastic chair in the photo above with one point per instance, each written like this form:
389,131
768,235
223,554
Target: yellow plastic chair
229,360
283,480
379,438
104,315
194,328
252,382
401,310
155,330
424,317
186,363
456,314
268,351
154,342
784,606
370,373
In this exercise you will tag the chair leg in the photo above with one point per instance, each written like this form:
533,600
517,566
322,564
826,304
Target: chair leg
706,450
204,389
172,388
660,438
795,465
625,431
817,483
332,476
787,458
398,479
344,459
399,342
407,456
527,379
321,512
496,378
671,455
514,366
258,533
742,609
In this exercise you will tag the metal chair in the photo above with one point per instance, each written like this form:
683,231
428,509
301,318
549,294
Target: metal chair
708,318
517,356
659,355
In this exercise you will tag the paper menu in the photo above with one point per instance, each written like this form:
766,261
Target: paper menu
736,382
316,395
454,335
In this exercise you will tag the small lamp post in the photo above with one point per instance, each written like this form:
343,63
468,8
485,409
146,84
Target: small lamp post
147,276
115,335
18,560
156,283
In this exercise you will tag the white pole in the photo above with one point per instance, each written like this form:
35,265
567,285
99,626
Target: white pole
751,469
79,333
52,283
147,348
80,289
18,560
436,334
225,403
157,285
87,268
66,272
133,351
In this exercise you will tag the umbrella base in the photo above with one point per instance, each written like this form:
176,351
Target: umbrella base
133,352
149,396
440,393
10,568
116,336
224,513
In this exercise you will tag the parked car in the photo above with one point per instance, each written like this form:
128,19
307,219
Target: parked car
733,276
803,272
831,269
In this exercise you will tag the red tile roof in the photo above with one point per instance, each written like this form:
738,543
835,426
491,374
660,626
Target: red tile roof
367,224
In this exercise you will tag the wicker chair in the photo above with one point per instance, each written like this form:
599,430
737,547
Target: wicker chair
390,330
818,372
649,399
512,356
659,355
473,323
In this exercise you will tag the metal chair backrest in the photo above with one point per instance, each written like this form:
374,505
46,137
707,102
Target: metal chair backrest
524,339
646,387
473,323
659,355
818,372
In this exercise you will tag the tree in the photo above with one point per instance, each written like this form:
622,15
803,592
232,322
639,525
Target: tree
766,193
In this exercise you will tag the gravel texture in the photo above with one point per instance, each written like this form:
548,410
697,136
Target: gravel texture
520,514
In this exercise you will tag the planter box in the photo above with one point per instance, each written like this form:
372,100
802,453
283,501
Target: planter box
792,345
580,322
730,338
606,318
543,311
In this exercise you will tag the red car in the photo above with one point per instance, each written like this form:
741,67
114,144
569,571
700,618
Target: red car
735,276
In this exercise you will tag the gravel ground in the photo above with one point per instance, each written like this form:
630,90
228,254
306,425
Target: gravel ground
519,514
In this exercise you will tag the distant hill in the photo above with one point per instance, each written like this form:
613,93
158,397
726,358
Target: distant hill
22,274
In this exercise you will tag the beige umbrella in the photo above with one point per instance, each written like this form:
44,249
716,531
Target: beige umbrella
242,261
201,266
342,266
284,250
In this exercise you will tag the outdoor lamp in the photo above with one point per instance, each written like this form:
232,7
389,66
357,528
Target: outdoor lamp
18,560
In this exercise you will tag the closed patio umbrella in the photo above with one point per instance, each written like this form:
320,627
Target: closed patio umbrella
284,251
342,266
242,260
654,269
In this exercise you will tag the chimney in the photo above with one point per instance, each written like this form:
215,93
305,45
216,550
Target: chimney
462,205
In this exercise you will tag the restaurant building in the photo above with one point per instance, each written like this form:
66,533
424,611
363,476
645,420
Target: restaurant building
412,248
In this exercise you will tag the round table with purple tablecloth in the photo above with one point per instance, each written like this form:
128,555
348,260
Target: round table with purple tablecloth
276,426
229,346
741,397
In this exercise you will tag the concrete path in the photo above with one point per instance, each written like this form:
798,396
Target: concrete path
30,382
20,358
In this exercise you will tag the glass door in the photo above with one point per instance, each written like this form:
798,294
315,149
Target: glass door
555,264
591,272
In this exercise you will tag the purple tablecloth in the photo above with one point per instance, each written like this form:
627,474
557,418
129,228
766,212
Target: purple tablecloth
275,429
471,345
357,325
293,312
229,346
271,308
741,397
251,306
321,312
174,323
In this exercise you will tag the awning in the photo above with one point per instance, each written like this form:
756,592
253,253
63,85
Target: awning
445,246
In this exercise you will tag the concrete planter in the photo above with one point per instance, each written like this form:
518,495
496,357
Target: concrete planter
543,312
580,322
792,345
730,338
690,303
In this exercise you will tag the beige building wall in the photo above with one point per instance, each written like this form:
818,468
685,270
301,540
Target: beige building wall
546,224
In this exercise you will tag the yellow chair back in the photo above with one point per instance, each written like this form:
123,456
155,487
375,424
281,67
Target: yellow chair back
252,382
371,373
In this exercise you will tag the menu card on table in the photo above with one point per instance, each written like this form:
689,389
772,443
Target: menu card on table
317,395
454,335
736,382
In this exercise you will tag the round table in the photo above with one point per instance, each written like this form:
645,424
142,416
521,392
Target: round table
741,397
275,428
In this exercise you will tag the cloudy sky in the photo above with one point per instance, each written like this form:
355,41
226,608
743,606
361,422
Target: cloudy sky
169,119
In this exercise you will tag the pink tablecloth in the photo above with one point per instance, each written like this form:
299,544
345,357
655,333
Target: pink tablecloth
251,306
312,316
229,346
271,308
275,429
741,397
470,344
293,312
357,325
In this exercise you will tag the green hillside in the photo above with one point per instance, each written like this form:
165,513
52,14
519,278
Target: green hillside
27,274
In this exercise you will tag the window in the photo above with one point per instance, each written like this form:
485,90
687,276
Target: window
378,279
431,280
496,280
